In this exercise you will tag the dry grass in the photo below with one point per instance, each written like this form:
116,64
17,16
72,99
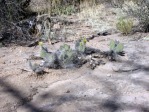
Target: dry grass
99,17
45,6
140,11
40,6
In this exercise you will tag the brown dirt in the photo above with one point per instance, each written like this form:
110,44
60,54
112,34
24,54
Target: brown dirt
121,86
116,86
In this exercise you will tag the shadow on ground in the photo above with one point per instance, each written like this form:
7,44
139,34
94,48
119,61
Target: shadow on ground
111,104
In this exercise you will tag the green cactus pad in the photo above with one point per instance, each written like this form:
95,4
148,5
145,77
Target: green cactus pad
116,46
119,48
81,45
112,45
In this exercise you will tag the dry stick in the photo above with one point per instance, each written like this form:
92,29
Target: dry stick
50,13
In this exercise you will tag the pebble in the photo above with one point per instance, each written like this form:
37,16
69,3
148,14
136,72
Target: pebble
101,92
109,75
68,91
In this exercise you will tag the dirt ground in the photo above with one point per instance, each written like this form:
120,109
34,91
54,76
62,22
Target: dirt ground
121,86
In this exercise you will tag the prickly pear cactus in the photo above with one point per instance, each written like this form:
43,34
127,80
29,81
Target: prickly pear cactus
116,46
80,45
112,45
50,57
119,48
65,56
42,51
65,47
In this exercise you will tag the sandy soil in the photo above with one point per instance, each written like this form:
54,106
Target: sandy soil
121,86
116,86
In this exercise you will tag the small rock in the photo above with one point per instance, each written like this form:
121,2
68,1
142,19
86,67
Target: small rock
101,92
68,91
109,75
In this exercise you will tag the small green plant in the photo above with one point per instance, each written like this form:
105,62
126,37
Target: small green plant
65,55
45,54
116,46
81,45
65,47
124,25
42,50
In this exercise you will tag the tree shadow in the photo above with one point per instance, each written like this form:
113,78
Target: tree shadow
111,104
8,88
137,66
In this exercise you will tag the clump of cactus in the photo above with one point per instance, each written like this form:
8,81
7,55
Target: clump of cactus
43,50
80,45
65,56
116,48
124,25
48,57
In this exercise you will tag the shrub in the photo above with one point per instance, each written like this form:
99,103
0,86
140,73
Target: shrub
124,25
140,10
117,3
66,10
